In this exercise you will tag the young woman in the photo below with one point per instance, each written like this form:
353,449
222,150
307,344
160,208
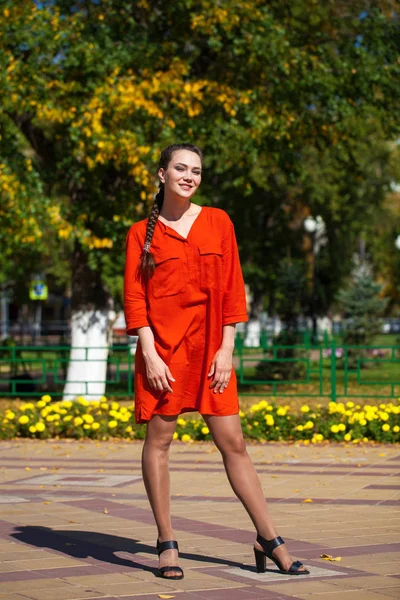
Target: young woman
184,294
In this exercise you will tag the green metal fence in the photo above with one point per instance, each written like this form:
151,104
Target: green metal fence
327,371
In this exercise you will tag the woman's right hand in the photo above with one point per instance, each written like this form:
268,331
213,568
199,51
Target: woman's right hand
158,373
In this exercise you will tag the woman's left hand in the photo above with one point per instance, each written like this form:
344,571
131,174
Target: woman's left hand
221,369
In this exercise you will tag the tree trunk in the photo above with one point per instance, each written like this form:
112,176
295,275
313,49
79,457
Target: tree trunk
87,366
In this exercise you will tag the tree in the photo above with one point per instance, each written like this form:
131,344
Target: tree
362,308
91,91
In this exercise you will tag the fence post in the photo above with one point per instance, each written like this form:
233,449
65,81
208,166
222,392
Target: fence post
333,371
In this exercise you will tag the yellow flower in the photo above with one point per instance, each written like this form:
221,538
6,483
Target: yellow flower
32,429
347,437
23,419
82,401
67,418
103,399
181,422
350,404
104,405
299,427
309,425
87,418
269,419
281,412
186,437
50,418
40,426
86,426
175,436
205,430
263,404
385,427
383,415
342,427
335,429
10,415
128,429
124,418
363,422
112,424
78,421
114,405
28,406
46,398
241,414
396,429
95,425
305,408
41,404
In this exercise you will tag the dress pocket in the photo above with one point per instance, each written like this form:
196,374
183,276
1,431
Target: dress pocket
167,278
210,265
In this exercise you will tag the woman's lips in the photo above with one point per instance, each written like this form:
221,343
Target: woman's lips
185,186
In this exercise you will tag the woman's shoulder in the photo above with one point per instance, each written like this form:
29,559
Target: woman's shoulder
218,215
138,230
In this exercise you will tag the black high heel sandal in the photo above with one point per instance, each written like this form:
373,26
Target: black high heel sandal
268,546
161,547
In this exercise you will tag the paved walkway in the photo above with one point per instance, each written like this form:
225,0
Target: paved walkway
75,523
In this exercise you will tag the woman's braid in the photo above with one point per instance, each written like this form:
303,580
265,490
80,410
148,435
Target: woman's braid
147,263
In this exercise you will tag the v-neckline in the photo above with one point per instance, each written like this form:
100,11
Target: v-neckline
191,227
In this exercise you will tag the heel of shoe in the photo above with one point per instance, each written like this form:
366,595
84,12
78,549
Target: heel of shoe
261,561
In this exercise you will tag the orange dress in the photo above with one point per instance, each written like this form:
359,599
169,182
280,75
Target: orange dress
196,289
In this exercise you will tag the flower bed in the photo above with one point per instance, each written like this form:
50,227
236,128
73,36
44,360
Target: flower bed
264,421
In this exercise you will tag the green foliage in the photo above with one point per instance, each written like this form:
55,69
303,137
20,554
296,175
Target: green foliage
292,111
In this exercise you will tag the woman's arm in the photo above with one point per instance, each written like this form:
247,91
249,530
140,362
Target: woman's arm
157,371
221,366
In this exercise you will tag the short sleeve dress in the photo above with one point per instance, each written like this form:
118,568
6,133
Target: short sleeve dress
196,289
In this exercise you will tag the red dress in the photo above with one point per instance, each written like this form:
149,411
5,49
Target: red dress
196,289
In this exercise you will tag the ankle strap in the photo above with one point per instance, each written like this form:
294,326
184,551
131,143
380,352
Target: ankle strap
270,545
170,545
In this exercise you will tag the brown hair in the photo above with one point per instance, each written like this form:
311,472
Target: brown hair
147,263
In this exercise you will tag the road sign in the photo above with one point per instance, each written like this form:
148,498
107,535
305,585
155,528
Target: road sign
38,290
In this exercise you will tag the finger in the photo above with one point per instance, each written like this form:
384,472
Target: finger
166,386
212,369
218,380
169,374
159,385
224,384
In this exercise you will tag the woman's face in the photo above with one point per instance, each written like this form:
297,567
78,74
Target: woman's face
182,177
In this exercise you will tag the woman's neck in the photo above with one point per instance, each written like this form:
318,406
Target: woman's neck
173,209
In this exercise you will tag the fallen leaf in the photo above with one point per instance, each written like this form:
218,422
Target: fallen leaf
46,502
331,558
307,500
382,454
71,521
100,470
165,596
43,468
105,511
27,468
297,490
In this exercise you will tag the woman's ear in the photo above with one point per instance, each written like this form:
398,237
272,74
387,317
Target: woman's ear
161,175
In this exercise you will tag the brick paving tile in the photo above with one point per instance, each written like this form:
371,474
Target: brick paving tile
57,541
71,593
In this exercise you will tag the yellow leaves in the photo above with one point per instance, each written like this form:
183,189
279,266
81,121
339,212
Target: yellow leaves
307,500
330,558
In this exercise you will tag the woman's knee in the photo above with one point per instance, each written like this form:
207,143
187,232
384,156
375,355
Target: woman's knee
234,444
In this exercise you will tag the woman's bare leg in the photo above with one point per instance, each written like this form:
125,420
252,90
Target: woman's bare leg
155,468
228,437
